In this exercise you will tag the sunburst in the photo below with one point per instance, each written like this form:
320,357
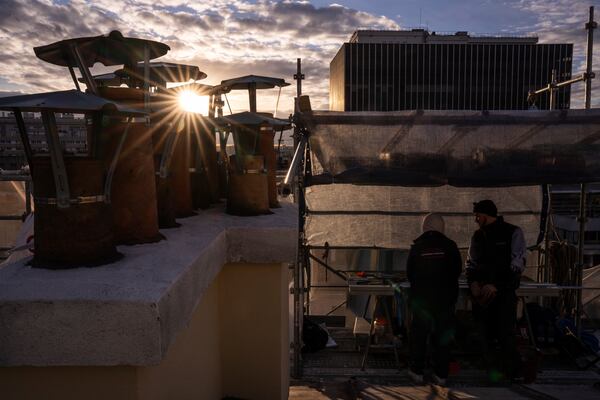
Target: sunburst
190,101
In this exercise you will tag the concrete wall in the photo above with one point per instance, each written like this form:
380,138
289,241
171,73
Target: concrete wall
236,344
58,383
253,304
192,367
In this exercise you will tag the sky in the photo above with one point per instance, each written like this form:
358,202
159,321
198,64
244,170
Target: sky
229,38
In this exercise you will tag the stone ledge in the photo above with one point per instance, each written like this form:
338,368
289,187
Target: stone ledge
129,312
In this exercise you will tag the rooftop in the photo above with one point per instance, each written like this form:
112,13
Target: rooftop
421,36
129,312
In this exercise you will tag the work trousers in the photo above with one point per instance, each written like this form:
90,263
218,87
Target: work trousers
498,323
431,334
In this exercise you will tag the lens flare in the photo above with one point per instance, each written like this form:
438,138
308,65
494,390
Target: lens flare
192,102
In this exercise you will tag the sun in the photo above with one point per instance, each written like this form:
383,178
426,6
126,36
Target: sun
192,102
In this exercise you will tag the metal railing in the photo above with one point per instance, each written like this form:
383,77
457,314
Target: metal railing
16,176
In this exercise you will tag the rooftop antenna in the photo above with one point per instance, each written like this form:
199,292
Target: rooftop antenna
420,25
589,74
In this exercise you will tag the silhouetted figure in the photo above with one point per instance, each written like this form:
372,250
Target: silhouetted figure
433,267
496,260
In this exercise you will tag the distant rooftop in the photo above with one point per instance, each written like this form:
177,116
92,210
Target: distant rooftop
419,36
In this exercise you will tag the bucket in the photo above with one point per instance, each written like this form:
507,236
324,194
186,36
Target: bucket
80,235
248,189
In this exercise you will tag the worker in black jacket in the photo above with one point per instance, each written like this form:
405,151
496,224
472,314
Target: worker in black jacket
494,266
433,267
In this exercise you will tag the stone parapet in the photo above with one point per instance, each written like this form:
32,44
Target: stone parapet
130,312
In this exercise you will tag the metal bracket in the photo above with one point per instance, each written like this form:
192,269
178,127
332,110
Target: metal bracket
147,83
59,170
113,164
78,200
296,161
327,267
72,72
24,137
83,69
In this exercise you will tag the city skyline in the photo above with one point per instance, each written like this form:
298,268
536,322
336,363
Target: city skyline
232,38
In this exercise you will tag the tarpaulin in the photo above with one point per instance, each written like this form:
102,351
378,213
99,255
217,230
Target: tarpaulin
390,216
458,148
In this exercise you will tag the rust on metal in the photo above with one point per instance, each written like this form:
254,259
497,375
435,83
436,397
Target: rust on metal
180,175
204,158
267,150
133,192
73,227
199,173
253,135
80,235
248,187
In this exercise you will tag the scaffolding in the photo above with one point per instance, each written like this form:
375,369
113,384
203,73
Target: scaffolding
357,177
368,178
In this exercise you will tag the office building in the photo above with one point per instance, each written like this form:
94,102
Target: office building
417,69
72,133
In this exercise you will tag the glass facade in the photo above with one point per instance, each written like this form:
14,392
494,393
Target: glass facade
446,76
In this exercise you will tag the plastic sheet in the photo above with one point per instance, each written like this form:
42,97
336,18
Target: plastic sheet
390,216
458,148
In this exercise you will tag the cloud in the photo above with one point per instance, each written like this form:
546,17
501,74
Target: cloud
563,21
224,38
228,38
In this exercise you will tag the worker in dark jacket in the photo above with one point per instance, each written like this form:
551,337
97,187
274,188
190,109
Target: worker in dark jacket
433,267
494,266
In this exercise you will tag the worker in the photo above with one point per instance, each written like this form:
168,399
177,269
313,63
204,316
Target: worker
433,267
495,262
